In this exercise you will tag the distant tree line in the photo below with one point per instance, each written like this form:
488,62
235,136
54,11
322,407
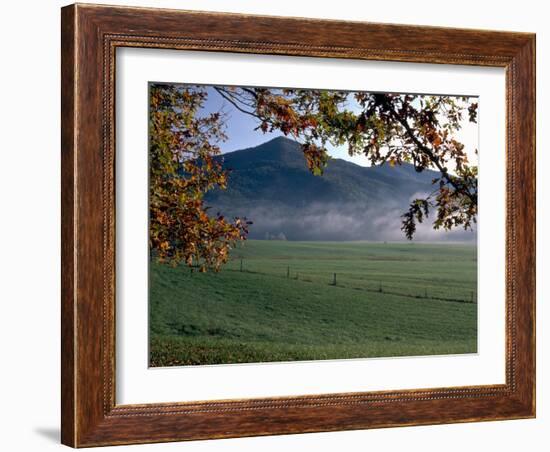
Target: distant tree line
278,236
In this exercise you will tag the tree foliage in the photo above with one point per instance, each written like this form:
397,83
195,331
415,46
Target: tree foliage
182,168
386,128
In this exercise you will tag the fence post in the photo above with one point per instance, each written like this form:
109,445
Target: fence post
380,287
334,279
241,265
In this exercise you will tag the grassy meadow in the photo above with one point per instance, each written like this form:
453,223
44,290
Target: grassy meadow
287,301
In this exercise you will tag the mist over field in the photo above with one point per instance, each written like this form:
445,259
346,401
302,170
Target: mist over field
340,222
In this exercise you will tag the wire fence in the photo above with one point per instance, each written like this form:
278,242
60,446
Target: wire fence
386,286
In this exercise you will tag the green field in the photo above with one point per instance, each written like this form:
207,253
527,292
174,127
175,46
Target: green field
278,301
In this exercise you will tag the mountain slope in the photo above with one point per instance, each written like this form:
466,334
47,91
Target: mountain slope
271,185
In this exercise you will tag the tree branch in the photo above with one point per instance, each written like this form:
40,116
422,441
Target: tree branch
430,155
228,98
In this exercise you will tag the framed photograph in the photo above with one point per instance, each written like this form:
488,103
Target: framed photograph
281,225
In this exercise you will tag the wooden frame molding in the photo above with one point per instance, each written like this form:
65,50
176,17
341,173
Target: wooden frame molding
90,35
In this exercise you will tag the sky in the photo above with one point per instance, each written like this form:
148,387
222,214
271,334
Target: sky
241,134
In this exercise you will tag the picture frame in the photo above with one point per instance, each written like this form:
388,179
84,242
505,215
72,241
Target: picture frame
90,36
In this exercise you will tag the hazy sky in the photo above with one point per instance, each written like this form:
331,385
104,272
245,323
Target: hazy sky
241,134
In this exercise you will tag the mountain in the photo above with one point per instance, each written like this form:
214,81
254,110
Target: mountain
270,185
